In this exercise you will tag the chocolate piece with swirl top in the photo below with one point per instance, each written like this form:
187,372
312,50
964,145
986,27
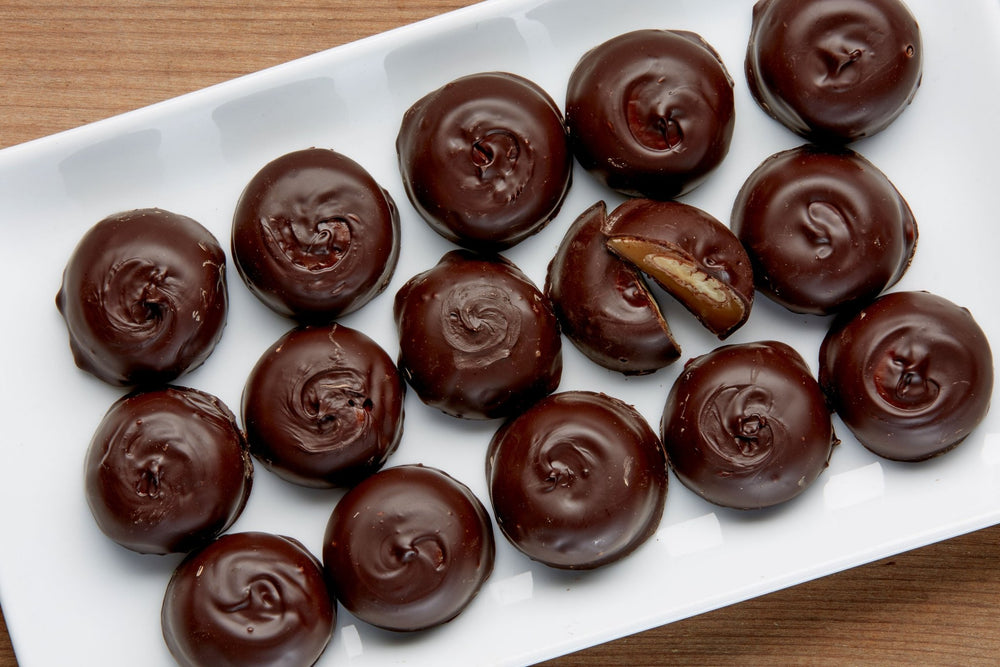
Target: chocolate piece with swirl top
167,470
248,599
911,374
477,339
323,406
144,297
578,481
315,236
650,113
746,426
408,548
484,159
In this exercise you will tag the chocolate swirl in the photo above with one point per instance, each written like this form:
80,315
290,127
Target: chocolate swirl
481,324
741,425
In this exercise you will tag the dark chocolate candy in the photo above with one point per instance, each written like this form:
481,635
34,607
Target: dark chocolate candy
837,70
408,548
578,481
484,159
911,374
144,297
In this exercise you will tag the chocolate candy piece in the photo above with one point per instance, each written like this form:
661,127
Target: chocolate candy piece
167,470
248,599
578,481
314,236
690,254
746,426
650,113
477,339
408,548
834,71
323,406
603,304
484,159
825,230
910,374
144,297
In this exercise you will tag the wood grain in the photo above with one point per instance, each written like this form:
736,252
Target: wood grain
63,66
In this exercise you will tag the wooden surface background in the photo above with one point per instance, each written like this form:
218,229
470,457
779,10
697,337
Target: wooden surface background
63,66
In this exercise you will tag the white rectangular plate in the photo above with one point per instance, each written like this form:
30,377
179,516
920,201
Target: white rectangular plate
70,595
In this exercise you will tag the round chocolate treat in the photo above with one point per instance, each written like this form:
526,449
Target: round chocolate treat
408,548
693,256
484,159
603,305
144,297
911,374
650,113
323,406
167,470
825,230
477,339
746,426
314,236
578,481
834,71
248,599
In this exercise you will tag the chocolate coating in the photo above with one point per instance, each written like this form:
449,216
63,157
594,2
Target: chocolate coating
825,230
323,406
650,113
408,548
144,297
167,470
746,426
477,339
578,481
834,71
603,305
911,374
248,599
484,159
315,236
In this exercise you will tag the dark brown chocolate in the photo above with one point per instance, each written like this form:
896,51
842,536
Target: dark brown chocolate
911,374
746,426
248,599
167,470
408,548
650,113
484,159
323,406
578,481
834,71
603,305
477,339
144,297
315,236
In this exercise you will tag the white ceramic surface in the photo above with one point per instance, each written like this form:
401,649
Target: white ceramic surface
70,596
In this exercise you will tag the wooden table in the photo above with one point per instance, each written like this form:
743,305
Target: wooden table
61,67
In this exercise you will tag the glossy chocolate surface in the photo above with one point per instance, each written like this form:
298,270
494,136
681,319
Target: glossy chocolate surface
825,229
690,254
408,548
837,70
314,236
578,481
167,470
746,426
911,374
248,599
323,406
144,297
603,304
484,159
650,113
477,339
